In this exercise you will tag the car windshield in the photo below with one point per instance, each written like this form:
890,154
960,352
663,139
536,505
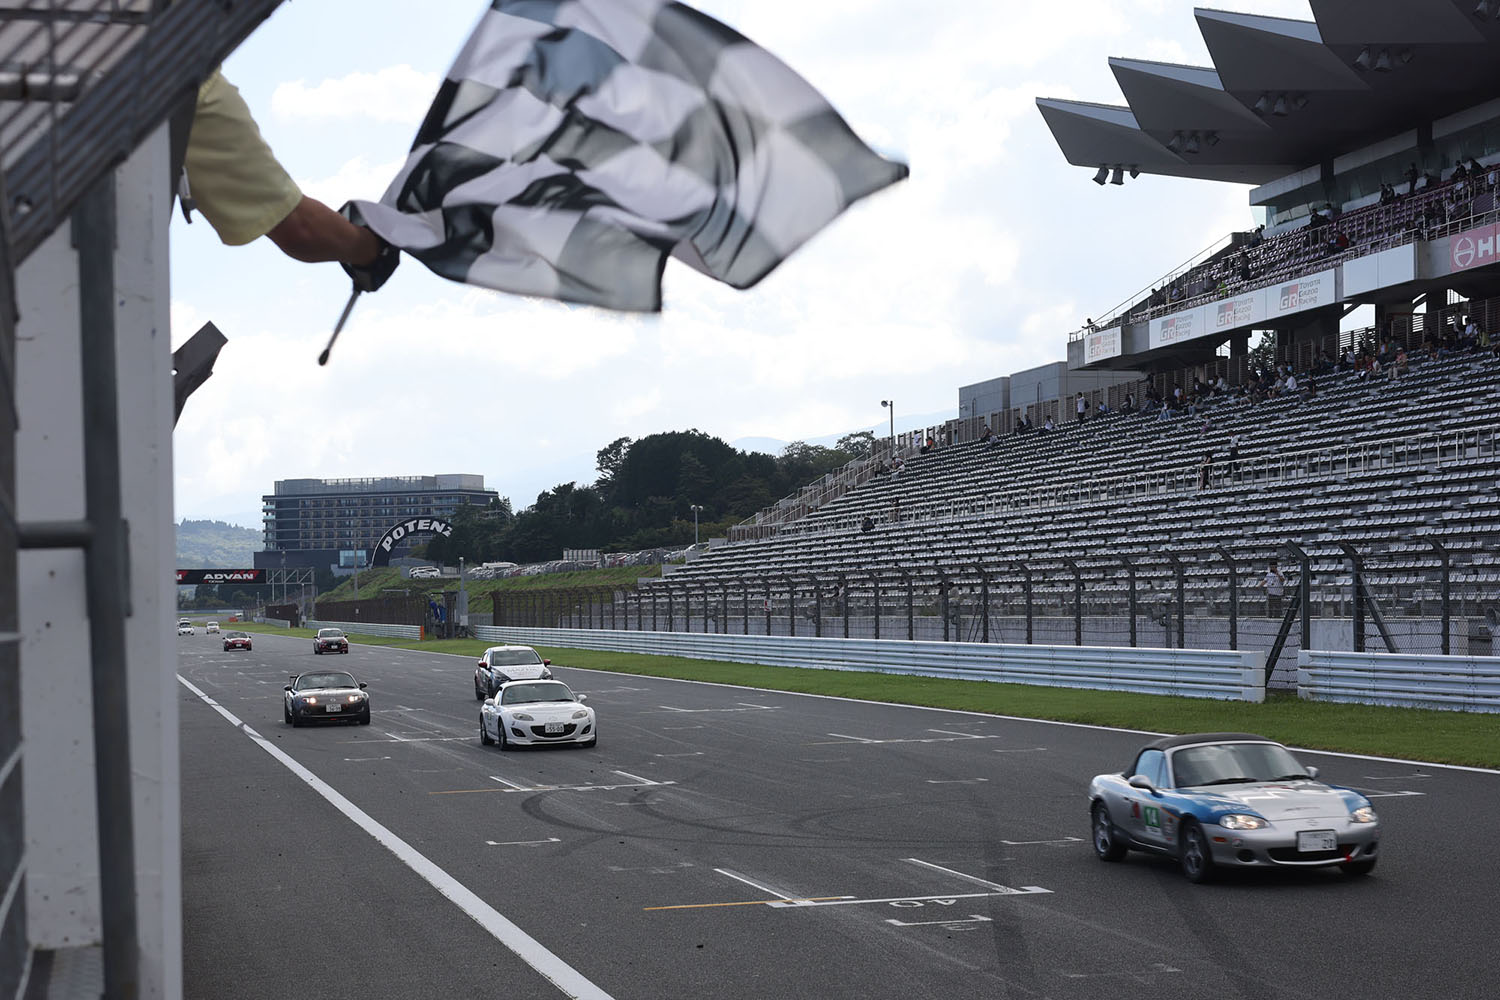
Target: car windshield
337,679
525,694
330,633
1234,763
513,657
235,635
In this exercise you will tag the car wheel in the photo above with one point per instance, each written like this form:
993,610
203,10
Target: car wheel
590,744
484,737
478,691
296,719
317,651
500,729
364,717
1107,845
1197,860
1358,867
344,650
286,714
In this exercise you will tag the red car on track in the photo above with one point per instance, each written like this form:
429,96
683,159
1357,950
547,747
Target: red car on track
236,640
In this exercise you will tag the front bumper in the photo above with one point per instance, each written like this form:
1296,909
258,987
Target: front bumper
535,734
1276,845
332,647
320,711
235,645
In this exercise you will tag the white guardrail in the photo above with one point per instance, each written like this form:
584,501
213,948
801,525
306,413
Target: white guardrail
369,628
277,622
1464,683
1193,673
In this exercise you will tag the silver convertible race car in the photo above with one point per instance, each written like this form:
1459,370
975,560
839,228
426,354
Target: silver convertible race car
499,664
534,712
1230,800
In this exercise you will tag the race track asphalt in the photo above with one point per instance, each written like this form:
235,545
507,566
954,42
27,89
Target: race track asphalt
728,842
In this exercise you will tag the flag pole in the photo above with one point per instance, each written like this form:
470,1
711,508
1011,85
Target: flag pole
338,327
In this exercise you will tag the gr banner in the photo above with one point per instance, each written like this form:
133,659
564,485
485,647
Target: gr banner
397,533
189,577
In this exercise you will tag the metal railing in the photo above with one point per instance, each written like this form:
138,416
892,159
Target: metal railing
1184,673
1466,683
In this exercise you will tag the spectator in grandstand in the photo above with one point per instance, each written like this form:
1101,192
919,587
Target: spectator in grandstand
1387,194
1275,585
1471,334
1309,389
1164,413
1049,425
1400,366
1290,385
1411,178
927,445
987,436
1460,172
1258,236
1177,397
1234,454
896,509
1129,405
1324,364
867,525
1493,178
1082,407
1205,470
1103,407
1350,360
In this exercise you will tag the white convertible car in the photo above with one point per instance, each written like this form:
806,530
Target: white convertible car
525,713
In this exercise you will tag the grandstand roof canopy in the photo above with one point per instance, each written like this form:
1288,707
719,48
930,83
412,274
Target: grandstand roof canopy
1285,94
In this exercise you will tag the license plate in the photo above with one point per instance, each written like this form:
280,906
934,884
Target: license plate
553,727
335,707
1316,840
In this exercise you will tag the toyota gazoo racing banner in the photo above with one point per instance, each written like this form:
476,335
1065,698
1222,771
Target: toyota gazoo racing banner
189,577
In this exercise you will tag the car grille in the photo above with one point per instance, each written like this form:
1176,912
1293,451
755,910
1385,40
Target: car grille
540,732
1291,854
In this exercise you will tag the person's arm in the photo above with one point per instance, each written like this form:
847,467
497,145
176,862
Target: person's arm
314,233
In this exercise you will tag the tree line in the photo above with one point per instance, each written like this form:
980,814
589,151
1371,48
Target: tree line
642,499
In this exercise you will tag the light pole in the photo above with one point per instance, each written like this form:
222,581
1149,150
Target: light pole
695,508
890,404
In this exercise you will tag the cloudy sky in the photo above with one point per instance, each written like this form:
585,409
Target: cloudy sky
976,267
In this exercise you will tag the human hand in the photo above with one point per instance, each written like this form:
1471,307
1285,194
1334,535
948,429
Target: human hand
370,276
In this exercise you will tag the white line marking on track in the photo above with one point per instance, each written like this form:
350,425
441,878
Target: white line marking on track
756,885
745,708
955,781
1033,843
522,843
972,918
1025,890
531,951
967,878
509,784
695,753
361,759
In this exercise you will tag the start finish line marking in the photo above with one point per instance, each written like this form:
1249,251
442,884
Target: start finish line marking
844,739
785,900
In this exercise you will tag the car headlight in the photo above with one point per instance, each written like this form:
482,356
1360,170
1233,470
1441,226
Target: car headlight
522,717
1242,821
310,700
355,697
1364,814
582,713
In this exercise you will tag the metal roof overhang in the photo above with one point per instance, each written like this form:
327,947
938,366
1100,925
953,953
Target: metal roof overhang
1284,94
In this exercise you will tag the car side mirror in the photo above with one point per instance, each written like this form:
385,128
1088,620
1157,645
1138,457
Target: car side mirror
583,697
287,688
1312,772
479,663
546,663
489,701
1142,782
363,685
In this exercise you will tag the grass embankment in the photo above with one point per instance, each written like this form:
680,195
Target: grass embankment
374,583
1467,738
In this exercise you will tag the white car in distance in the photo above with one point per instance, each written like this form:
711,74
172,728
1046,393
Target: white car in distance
529,713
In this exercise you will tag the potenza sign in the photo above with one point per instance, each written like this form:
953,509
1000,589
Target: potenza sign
193,577
396,533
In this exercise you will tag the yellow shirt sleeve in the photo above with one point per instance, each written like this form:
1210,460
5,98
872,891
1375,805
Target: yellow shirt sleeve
236,180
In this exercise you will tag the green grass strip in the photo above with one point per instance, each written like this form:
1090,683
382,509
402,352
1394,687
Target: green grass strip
1466,738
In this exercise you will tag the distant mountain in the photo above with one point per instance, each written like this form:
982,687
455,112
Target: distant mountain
214,544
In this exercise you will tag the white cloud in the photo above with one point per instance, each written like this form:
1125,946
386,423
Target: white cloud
396,94
358,178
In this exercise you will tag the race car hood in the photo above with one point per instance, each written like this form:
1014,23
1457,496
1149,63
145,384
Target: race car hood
321,692
1285,800
547,711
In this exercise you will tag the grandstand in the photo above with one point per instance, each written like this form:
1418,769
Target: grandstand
1374,136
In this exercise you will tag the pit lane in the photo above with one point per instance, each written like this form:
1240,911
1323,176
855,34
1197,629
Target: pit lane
737,843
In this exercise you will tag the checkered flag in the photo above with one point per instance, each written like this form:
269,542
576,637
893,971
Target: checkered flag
575,144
